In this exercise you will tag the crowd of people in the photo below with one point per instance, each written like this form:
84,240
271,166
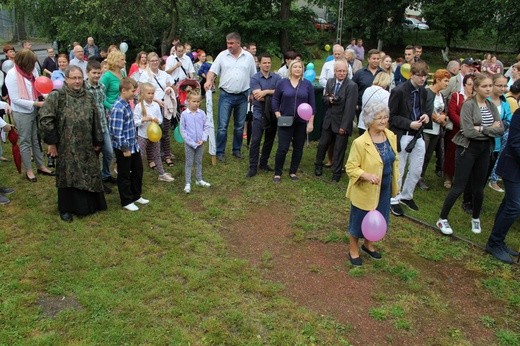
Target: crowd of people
465,117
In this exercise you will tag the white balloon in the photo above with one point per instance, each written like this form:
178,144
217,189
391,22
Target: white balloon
7,65
123,47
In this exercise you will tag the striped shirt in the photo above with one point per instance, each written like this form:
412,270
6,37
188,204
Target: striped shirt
487,117
122,127
98,92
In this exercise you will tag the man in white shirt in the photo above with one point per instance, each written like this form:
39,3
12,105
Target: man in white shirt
327,71
79,60
235,66
179,65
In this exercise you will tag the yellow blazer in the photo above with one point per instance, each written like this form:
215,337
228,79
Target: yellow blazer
364,157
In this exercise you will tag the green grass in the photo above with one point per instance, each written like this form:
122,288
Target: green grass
165,274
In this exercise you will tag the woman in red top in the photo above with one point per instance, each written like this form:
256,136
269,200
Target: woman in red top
454,107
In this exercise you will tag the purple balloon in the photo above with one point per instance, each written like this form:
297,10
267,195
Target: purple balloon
57,84
373,226
305,111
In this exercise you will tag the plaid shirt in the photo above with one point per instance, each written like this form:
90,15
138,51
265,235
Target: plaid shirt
122,127
98,92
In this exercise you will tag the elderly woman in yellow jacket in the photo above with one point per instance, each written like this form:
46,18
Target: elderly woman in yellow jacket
372,167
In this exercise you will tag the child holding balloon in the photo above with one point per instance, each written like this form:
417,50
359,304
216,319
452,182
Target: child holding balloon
195,130
147,116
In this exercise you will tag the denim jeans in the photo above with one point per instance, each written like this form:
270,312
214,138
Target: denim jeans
507,213
227,104
108,154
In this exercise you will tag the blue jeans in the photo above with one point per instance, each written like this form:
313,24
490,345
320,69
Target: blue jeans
507,213
227,103
108,154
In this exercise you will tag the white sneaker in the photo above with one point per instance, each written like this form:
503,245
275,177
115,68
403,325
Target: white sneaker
202,183
131,207
166,177
187,188
444,226
142,201
475,226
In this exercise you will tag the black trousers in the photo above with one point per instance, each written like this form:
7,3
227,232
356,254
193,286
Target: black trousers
338,156
256,138
470,163
294,134
129,176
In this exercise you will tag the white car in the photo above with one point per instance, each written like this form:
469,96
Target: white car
414,24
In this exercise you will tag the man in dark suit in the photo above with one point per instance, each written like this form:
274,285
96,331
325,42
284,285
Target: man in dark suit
508,167
341,96
408,115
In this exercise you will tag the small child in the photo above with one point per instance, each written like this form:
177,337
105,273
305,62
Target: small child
145,111
126,148
194,129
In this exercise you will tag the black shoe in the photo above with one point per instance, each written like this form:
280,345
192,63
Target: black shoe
467,207
373,254
439,173
356,262
67,217
499,253
510,251
266,168
221,158
410,204
251,173
396,210
237,154
110,180
318,171
422,185
294,177
107,189
6,190
4,200
335,178
50,174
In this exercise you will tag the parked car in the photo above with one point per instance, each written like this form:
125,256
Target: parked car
322,24
414,24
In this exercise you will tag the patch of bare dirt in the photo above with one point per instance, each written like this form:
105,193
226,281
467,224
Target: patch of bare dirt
315,275
53,305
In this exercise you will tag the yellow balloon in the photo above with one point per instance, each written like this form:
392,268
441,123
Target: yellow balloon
327,47
154,132
405,70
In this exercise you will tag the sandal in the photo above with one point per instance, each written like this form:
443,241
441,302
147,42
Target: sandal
447,184
169,162
152,165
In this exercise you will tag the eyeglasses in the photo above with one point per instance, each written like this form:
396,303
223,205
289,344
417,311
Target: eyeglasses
75,78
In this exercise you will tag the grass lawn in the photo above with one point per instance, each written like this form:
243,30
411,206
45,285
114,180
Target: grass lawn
165,274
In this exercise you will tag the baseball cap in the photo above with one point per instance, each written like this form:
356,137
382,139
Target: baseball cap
468,61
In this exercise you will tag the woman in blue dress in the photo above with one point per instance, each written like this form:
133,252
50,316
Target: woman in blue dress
373,170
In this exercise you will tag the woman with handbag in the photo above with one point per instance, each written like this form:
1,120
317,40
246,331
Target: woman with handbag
436,106
291,92
480,125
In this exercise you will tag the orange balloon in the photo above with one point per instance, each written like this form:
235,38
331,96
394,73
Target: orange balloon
154,132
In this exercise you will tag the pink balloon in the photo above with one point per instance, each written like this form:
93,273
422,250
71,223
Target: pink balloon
57,84
165,57
195,55
305,111
373,226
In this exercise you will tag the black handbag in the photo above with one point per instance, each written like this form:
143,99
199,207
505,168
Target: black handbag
285,121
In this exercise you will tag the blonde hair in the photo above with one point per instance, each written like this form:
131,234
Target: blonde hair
112,59
144,87
382,79
291,64
193,93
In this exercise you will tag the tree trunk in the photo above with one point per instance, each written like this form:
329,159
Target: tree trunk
20,32
285,12
169,35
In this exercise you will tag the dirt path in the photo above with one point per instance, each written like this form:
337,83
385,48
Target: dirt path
315,275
